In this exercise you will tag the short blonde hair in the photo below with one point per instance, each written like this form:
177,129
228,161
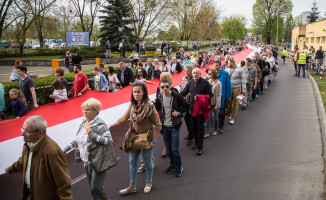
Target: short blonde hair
155,60
92,104
166,75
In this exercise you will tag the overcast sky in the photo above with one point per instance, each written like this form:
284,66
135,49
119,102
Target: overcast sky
244,8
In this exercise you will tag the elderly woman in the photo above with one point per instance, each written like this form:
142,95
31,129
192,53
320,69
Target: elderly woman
143,117
94,146
216,88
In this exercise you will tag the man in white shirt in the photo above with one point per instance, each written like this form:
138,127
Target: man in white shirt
135,59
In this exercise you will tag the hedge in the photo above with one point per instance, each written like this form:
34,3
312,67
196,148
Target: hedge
43,86
84,52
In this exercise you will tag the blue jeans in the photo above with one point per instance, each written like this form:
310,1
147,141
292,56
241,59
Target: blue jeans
121,52
96,182
303,70
214,115
133,161
106,53
171,141
296,68
319,64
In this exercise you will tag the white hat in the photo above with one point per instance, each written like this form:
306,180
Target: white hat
302,51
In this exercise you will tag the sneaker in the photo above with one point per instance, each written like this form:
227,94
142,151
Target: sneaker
189,142
230,117
142,168
231,121
257,96
221,131
214,133
170,169
206,135
178,173
127,190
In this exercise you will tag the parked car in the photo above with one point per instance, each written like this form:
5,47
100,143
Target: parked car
14,45
27,45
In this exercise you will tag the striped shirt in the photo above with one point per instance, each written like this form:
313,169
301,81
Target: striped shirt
237,77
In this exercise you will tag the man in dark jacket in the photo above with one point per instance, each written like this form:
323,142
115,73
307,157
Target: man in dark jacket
171,106
68,62
150,69
125,75
76,59
107,49
175,66
197,86
319,59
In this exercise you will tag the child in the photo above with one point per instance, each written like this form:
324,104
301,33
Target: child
59,92
141,79
17,104
157,72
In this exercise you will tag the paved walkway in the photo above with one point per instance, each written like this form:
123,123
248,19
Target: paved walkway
272,152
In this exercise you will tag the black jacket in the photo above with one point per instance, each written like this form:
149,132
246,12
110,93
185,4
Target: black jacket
201,87
179,104
150,73
128,76
178,68
76,59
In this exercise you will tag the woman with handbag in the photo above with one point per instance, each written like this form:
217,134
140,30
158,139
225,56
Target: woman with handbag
94,146
141,136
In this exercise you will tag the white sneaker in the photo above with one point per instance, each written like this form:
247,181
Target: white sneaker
231,121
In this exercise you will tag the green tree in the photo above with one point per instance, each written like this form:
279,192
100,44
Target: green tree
173,33
233,28
116,23
314,15
265,13
289,25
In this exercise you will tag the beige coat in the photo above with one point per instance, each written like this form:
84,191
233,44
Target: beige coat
217,93
145,124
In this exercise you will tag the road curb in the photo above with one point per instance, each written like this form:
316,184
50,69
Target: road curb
320,109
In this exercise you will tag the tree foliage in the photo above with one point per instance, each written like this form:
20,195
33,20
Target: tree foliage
87,10
288,26
314,15
116,22
265,13
148,15
233,28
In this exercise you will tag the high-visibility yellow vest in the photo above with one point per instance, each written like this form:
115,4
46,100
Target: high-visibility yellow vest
306,51
295,59
302,59
285,52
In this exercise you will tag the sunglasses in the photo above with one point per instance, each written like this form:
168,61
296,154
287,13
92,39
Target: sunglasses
167,86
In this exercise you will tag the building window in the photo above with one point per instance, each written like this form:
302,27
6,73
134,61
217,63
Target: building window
312,40
317,39
323,39
307,40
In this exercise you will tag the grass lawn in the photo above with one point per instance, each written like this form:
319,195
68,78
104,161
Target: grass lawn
34,58
321,84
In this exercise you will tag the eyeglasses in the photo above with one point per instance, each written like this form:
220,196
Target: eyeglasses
26,132
167,86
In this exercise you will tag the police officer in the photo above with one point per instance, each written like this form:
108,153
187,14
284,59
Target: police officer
302,63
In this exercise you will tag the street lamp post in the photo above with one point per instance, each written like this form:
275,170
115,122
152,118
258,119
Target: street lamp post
278,7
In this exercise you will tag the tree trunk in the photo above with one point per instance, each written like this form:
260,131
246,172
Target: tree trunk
21,49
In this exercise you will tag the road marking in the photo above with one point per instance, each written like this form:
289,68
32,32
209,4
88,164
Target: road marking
80,178
83,176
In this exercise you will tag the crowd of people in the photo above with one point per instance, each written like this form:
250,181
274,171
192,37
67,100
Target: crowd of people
202,100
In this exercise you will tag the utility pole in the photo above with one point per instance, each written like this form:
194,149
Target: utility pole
278,7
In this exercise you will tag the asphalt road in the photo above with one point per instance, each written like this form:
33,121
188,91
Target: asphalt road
273,152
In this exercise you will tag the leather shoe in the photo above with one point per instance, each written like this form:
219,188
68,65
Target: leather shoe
189,142
127,190
194,147
199,152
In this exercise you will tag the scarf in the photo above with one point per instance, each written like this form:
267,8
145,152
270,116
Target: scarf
142,111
